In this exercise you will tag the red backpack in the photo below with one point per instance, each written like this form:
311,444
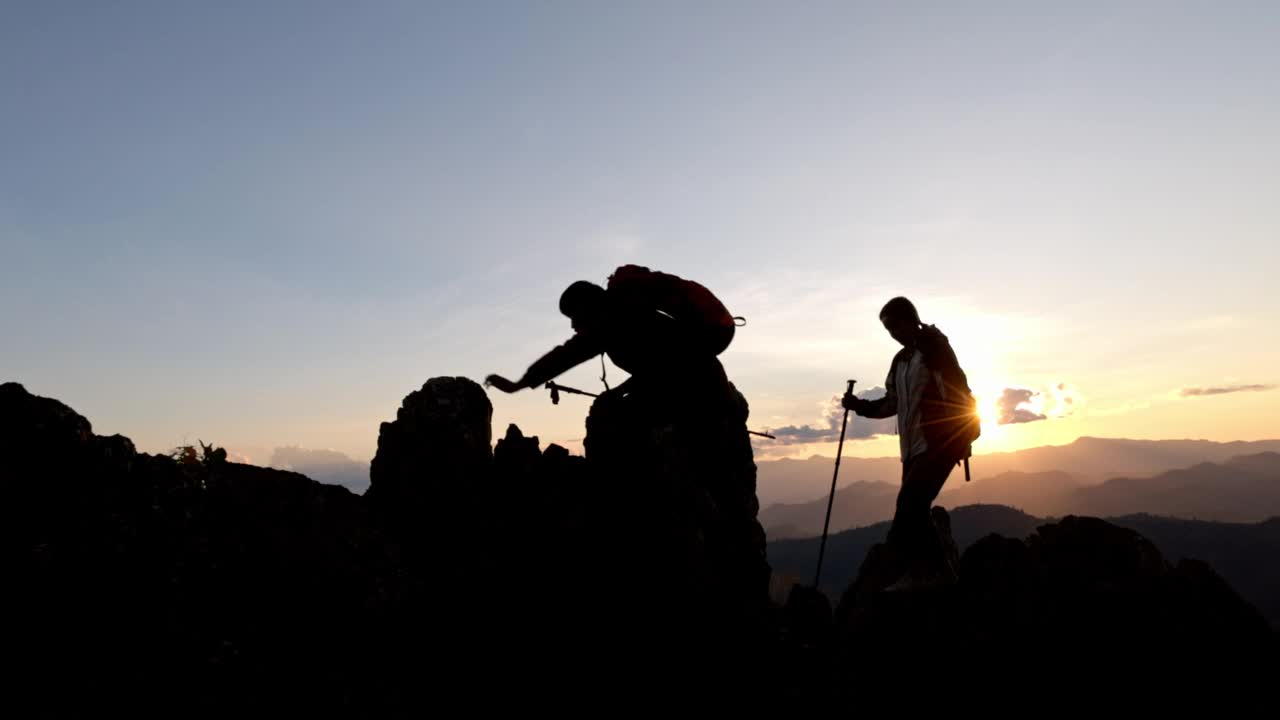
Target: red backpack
684,300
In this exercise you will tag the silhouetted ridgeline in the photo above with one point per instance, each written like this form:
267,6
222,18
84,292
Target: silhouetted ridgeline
1239,489
1244,553
515,575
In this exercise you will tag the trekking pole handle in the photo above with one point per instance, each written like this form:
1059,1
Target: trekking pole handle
849,391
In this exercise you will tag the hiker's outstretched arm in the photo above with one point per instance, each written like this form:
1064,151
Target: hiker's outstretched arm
884,407
577,350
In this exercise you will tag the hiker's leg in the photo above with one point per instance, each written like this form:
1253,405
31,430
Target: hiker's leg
905,528
933,475
917,540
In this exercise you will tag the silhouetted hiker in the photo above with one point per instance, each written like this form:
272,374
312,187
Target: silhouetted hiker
937,424
654,325
678,512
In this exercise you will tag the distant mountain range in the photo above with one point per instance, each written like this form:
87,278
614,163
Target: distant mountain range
1243,553
1243,489
1088,460
1236,489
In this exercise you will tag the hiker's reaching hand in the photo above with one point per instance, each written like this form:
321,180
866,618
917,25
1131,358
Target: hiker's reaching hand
503,384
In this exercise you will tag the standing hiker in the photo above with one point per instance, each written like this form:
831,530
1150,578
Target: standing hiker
937,424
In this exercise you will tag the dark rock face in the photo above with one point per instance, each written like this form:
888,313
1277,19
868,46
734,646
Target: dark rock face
678,462
1073,586
519,575
138,581
435,451
676,478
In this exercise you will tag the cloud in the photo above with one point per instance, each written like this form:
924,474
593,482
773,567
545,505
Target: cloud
239,457
1226,390
1010,407
326,466
828,427
1061,400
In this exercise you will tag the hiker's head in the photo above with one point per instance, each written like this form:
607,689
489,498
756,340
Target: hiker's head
583,303
901,319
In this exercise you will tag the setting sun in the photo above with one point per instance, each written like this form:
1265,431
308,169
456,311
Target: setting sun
989,411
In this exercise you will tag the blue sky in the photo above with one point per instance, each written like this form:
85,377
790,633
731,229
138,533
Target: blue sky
262,224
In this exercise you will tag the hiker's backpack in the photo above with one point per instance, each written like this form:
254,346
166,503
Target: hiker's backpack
953,421
684,300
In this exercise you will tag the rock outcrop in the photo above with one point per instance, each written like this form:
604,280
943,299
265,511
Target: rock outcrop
435,454
1059,596
138,580
193,585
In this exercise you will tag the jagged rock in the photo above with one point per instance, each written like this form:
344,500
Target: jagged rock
951,550
679,462
1090,552
29,418
142,581
204,586
882,566
536,491
436,451
675,480
516,454
1075,585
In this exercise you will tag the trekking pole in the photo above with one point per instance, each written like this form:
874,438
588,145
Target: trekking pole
822,548
557,388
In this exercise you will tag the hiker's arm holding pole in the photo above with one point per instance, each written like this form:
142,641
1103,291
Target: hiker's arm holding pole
577,350
884,407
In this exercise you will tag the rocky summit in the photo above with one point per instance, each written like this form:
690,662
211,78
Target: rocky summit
509,573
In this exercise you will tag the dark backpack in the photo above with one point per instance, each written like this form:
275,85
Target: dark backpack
949,414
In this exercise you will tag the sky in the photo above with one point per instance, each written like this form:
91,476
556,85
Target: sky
262,224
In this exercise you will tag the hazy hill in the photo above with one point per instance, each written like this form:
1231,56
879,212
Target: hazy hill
1089,460
1240,489
1243,553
